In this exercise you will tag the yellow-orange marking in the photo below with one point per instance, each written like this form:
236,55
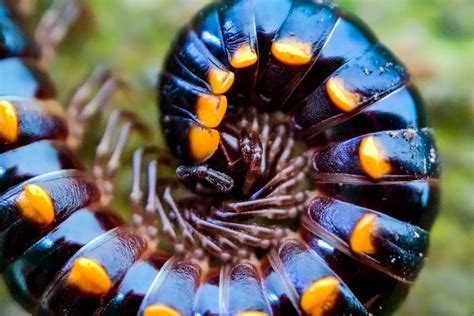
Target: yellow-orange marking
343,99
210,109
220,80
243,57
8,123
36,206
292,52
160,310
203,142
321,296
361,239
89,277
372,158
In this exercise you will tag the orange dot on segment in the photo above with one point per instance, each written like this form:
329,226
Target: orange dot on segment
342,98
210,109
35,205
292,52
221,80
243,57
160,310
89,277
8,123
372,159
361,239
203,142
321,297
252,313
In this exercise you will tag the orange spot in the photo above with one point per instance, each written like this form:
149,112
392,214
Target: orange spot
372,159
345,100
160,310
221,80
210,109
8,123
361,239
292,52
36,205
252,313
243,57
320,298
90,277
203,142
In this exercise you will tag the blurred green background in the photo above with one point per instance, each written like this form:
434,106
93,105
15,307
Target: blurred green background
435,38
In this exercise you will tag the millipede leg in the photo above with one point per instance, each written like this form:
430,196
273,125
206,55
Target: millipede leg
104,170
147,219
150,223
25,7
83,105
294,168
136,196
179,218
280,200
285,154
276,144
240,236
54,25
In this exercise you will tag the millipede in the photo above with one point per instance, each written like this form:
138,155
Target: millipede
306,183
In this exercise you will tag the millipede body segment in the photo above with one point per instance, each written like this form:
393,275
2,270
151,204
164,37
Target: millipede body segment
308,180
306,144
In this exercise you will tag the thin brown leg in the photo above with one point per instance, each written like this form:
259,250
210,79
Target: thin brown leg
108,155
84,105
54,26
24,7
136,196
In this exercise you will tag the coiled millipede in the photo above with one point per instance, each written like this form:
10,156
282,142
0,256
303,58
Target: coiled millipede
308,180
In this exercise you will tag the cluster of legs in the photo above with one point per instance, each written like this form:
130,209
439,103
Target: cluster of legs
235,210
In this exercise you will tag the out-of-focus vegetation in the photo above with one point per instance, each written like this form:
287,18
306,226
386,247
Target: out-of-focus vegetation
435,38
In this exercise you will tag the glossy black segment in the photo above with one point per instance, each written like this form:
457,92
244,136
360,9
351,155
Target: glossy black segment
303,267
175,287
349,38
24,78
399,248
207,298
191,60
401,109
135,284
278,292
207,28
371,76
69,191
33,160
115,251
179,97
176,131
237,23
29,275
243,290
414,202
269,17
278,79
410,154
380,293
37,120
14,40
